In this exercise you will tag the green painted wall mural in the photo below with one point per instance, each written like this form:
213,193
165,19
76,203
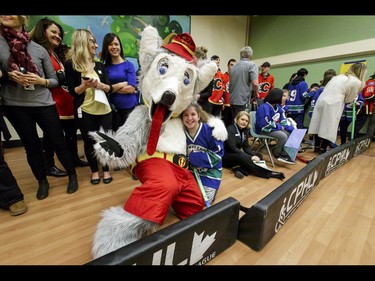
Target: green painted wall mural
127,27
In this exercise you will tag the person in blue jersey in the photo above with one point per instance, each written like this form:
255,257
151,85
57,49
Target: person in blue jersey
238,155
271,121
347,118
298,89
122,75
204,151
328,74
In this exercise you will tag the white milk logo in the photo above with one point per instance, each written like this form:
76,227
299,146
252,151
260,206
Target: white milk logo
337,160
362,146
198,249
295,198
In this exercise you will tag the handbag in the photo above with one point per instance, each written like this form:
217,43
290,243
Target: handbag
61,78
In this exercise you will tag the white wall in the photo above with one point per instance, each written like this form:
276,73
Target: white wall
221,35
13,132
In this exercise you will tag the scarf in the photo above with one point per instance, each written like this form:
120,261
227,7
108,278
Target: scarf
19,56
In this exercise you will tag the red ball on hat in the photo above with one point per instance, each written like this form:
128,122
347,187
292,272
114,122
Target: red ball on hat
182,45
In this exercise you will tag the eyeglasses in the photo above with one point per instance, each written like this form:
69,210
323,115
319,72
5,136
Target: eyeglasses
92,40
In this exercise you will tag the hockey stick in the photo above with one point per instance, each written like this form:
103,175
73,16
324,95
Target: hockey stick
204,195
303,160
353,120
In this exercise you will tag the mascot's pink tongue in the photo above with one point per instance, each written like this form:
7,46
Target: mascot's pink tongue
157,121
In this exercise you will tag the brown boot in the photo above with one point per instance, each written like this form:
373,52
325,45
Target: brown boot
18,208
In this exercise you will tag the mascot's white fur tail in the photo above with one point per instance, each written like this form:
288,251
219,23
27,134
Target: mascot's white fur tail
167,81
117,229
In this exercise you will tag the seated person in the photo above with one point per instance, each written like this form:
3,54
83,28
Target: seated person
237,152
271,121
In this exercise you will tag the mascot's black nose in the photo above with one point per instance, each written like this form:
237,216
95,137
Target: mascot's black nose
168,98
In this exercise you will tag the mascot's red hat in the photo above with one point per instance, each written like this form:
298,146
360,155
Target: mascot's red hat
182,45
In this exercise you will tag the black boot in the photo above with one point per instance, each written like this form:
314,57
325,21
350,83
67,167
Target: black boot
73,184
56,172
278,175
43,189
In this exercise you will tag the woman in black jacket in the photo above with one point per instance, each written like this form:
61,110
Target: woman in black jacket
238,155
88,83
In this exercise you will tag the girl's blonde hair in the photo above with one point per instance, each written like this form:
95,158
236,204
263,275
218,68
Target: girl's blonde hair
79,52
201,52
240,114
358,70
24,20
203,115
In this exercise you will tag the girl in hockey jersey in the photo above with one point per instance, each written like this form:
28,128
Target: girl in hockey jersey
347,117
204,151
271,121
298,89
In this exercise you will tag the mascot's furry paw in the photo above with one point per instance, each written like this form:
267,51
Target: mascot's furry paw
110,145
117,229
219,132
108,150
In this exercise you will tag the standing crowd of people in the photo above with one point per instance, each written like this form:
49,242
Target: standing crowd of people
64,89
280,111
61,90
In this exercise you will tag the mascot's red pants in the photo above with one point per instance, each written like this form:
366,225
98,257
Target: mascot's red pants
164,184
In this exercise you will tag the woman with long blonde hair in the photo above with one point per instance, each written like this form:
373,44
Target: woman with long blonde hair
87,78
341,89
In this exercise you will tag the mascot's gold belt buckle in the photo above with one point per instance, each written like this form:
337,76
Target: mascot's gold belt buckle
180,160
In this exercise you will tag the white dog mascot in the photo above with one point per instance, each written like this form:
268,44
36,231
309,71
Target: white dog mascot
153,143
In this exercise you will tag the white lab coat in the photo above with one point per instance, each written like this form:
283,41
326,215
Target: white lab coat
328,109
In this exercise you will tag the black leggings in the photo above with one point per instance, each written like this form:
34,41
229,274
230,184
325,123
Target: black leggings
70,133
92,123
10,192
119,117
25,120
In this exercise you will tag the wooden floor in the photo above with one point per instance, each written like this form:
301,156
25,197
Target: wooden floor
335,225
